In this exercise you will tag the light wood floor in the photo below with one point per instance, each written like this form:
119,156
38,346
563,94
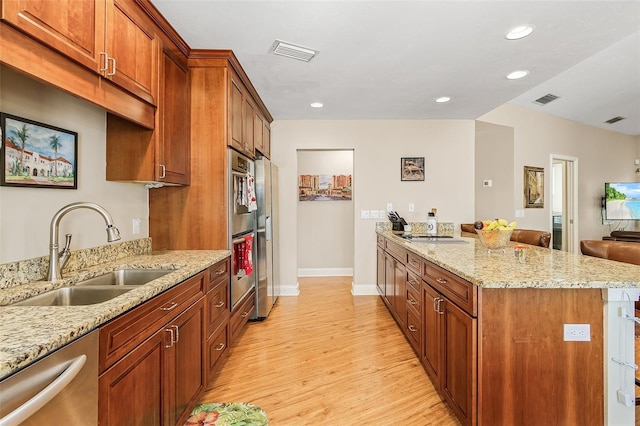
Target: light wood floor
326,357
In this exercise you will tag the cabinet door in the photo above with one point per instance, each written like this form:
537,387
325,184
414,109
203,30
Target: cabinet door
399,296
236,91
258,140
432,335
186,363
380,275
173,141
133,49
74,28
131,392
266,139
389,279
459,371
249,123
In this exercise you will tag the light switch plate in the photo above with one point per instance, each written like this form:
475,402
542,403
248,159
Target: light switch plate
382,214
136,226
389,207
373,214
519,213
487,183
412,207
364,214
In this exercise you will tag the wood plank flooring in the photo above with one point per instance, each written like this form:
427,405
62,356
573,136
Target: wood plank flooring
327,357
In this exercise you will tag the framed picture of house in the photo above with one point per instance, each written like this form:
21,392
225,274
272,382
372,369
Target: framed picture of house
37,155
533,187
411,168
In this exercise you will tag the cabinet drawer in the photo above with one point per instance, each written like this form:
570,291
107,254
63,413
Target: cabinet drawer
413,263
216,349
217,306
241,315
414,301
380,241
413,331
396,251
461,292
125,332
218,273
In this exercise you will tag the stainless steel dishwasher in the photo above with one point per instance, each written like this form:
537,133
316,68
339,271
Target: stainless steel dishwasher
61,388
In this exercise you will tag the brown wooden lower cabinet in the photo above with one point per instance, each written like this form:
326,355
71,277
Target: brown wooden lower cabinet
241,314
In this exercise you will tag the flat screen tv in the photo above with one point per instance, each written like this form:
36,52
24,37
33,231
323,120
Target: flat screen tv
622,200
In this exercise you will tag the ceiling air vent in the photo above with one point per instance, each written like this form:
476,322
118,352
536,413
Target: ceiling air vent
614,120
294,51
546,99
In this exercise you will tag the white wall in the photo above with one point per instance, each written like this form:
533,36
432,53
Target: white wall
494,161
325,228
447,146
25,213
602,156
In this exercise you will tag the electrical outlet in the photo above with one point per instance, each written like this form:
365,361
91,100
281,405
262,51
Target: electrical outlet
373,214
382,214
487,183
577,332
389,207
136,226
364,214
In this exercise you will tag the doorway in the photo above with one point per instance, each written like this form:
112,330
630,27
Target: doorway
564,201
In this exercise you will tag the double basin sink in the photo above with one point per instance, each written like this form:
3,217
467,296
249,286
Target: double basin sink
96,290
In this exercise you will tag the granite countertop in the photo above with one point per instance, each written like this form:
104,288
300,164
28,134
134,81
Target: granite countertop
542,268
28,333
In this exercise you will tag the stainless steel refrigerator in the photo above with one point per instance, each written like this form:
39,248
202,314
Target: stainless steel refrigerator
268,283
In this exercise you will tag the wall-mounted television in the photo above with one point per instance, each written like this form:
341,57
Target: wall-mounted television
622,200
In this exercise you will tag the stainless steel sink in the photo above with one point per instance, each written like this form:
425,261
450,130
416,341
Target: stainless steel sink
74,296
124,277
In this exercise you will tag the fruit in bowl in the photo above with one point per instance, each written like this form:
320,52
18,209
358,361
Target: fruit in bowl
494,234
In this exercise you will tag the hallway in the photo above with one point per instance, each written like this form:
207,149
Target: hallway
326,357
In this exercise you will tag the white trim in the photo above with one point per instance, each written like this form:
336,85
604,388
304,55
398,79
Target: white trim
572,229
364,290
289,290
325,272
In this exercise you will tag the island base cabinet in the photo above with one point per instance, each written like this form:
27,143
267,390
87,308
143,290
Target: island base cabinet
528,374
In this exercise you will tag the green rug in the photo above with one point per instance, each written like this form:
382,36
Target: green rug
227,414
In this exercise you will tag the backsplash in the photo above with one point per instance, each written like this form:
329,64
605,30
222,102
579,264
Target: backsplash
24,271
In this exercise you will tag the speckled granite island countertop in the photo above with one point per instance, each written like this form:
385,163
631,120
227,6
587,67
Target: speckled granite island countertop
27,333
543,268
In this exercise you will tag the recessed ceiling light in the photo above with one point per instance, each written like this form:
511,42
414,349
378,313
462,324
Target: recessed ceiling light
519,32
443,99
517,74
316,104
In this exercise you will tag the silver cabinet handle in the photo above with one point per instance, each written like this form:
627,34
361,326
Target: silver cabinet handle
105,62
170,307
170,330
438,310
220,304
441,280
39,400
412,329
220,271
412,302
177,333
412,282
113,66
220,347
435,300
245,314
163,171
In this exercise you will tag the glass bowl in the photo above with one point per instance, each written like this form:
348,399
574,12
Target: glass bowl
494,239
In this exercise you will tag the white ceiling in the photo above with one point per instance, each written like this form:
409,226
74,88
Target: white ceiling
391,59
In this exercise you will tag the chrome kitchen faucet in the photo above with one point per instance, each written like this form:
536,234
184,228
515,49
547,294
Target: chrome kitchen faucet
57,260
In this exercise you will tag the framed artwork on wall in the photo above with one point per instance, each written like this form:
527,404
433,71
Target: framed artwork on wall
533,187
37,155
412,168
324,187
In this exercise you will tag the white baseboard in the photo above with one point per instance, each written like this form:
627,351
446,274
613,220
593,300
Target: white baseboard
289,290
325,272
364,290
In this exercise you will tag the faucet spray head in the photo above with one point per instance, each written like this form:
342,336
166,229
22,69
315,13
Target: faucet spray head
113,234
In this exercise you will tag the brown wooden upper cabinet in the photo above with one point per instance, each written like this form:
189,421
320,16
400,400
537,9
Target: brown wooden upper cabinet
262,139
241,117
111,37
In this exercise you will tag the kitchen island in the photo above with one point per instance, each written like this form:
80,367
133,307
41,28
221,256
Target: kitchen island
489,329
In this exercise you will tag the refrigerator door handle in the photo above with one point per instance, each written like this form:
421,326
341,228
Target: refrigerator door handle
267,225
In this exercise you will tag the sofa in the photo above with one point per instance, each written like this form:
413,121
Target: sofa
527,236
621,251
630,236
